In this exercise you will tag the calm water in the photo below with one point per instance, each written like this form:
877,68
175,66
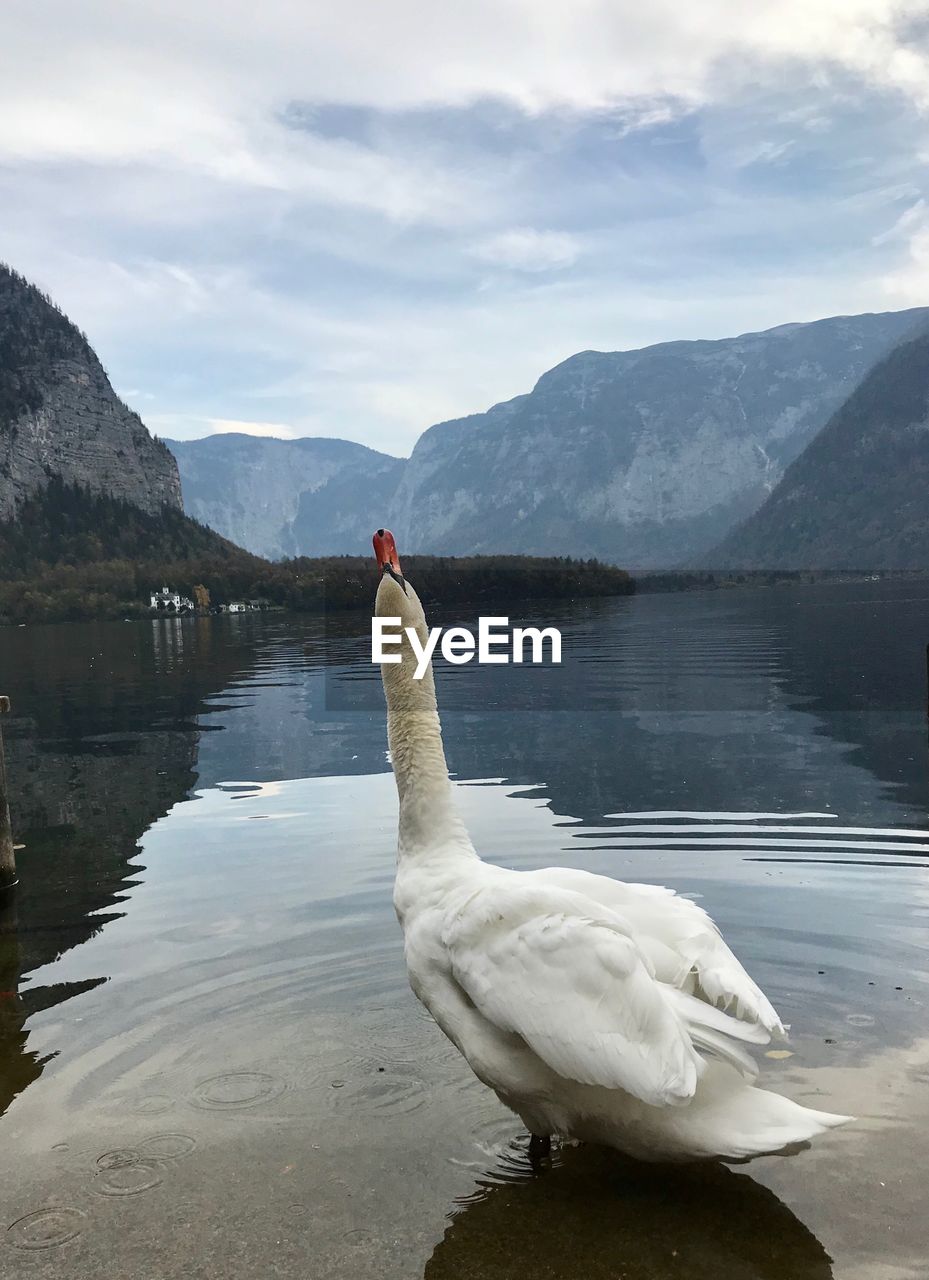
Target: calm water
210,1063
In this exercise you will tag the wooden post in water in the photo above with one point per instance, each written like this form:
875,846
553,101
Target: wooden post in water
7,856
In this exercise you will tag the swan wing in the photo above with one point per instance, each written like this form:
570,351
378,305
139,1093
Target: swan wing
684,945
564,974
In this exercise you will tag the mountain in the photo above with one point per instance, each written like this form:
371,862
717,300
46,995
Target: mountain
91,518
59,416
858,495
82,483
645,458
287,497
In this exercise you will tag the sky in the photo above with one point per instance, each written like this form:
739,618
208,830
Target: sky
358,219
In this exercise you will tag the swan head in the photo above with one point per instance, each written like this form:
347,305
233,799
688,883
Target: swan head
397,599
388,562
395,596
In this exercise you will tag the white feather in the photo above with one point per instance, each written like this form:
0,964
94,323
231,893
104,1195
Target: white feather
604,1019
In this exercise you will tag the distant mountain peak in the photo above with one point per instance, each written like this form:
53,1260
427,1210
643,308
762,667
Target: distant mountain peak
310,496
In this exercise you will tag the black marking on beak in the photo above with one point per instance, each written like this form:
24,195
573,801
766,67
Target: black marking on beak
397,577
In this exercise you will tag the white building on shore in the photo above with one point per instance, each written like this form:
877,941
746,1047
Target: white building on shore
168,601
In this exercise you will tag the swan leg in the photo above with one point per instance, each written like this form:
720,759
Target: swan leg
540,1148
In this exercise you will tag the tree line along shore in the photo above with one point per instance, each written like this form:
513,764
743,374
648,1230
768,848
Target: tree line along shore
71,555
121,588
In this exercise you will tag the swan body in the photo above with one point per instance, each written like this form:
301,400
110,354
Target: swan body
597,1010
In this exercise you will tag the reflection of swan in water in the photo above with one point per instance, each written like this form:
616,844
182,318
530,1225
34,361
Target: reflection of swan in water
598,1216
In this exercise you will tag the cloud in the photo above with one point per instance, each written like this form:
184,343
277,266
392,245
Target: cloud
273,430
912,216
907,283
359,219
524,249
207,87
176,426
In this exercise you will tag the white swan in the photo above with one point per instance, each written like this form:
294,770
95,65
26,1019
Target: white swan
597,1010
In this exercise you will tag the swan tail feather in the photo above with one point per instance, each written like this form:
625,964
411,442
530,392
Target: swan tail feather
737,1120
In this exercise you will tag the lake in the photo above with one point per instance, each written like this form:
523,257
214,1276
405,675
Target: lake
210,1061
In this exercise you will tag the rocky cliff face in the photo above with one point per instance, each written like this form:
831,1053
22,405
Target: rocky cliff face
287,497
60,416
856,498
644,458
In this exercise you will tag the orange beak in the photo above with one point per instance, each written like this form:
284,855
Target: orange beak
385,549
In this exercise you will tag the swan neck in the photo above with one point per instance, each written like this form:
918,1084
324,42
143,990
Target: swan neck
429,818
